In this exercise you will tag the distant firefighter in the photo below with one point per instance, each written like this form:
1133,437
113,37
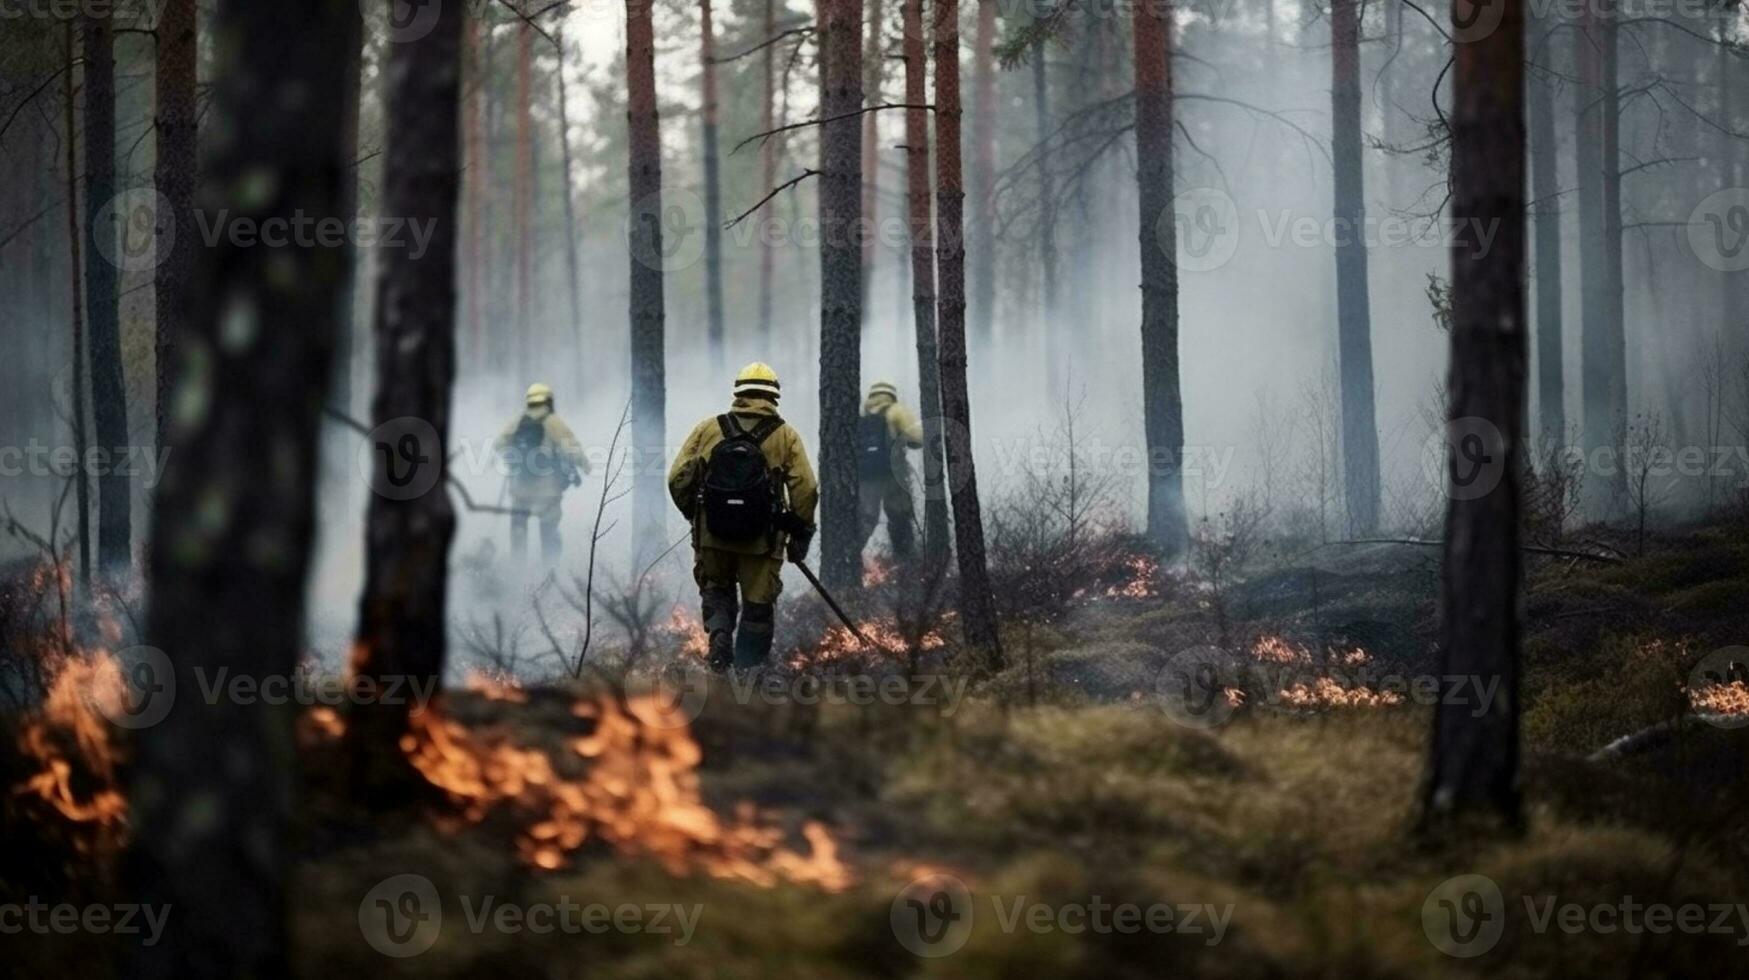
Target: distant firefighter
544,460
885,431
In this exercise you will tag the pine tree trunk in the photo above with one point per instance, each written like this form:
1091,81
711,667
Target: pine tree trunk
1473,767
936,544
174,178
235,515
573,266
1593,163
840,296
713,194
767,167
1546,192
402,621
345,331
522,205
475,160
82,487
873,62
1057,350
109,408
981,237
1614,340
649,377
1162,400
976,604
1360,436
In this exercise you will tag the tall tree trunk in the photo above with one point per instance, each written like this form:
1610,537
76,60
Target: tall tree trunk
935,526
174,176
1360,436
767,167
840,296
1058,355
1592,164
474,154
976,604
713,194
1546,192
873,62
981,241
573,266
345,331
402,623
649,375
1162,400
1473,767
1727,149
522,205
230,551
76,399
1615,339
109,408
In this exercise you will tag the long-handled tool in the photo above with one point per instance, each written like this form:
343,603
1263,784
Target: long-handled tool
833,603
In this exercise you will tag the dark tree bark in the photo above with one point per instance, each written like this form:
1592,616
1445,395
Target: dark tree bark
649,376
474,153
345,331
522,205
1162,400
174,177
1473,768
1602,354
402,620
767,166
976,604
936,544
1615,333
1360,435
235,516
981,239
1546,193
76,398
109,409
713,194
840,296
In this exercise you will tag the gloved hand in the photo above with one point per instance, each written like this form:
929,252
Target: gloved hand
797,548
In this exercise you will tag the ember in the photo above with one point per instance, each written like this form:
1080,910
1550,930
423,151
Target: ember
1326,693
1721,699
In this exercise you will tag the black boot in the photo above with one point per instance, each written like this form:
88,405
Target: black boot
753,642
720,608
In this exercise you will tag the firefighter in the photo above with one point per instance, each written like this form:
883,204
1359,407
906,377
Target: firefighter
743,480
543,460
885,430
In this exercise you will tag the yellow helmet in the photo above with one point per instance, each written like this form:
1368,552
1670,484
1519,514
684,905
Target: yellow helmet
884,388
539,394
757,379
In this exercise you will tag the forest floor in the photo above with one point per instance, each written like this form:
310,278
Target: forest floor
1068,816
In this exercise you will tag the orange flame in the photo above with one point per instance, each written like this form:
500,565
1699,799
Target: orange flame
1326,693
640,795
69,739
1720,699
685,624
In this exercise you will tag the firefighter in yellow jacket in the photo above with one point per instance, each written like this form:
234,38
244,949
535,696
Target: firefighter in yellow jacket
884,432
544,460
744,482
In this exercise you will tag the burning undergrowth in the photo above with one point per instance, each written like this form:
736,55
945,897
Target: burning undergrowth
565,772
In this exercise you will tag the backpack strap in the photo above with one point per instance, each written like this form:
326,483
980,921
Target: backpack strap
764,429
726,423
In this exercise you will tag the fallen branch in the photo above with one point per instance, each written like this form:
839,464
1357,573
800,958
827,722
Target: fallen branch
1425,543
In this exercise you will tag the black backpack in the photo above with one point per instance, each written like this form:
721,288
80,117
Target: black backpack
738,493
874,452
530,436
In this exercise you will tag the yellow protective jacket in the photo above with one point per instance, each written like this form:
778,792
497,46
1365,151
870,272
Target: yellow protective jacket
901,424
783,451
542,480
